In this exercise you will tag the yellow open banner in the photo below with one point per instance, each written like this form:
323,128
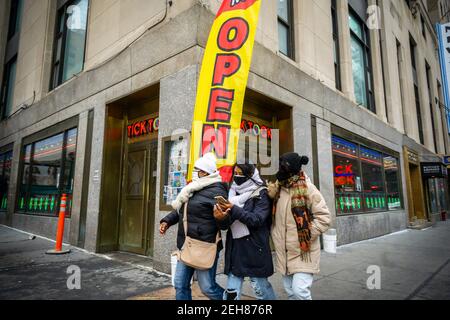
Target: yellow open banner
222,84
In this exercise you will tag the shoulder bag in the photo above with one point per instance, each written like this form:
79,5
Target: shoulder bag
195,253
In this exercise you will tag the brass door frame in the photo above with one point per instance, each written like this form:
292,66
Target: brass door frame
151,199
414,181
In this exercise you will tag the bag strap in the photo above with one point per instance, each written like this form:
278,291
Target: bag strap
185,219
185,226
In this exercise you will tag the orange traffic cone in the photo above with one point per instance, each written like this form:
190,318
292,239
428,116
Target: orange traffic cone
60,231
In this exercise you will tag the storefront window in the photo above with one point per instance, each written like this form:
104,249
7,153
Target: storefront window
372,171
5,172
42,183
435,179
365,180
437,194
391,171
347,177
442,194
176,167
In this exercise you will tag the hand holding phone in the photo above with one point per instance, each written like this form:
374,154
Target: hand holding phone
222,201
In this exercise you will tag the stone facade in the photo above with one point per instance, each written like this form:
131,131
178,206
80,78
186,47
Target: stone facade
122,58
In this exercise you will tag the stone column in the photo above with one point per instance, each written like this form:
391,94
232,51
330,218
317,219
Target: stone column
326,168
301,128
176,107
377,65
95,176
13,181
78,178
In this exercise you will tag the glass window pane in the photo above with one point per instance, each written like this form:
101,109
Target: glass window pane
5,172
19,15
442,194
373,184
75,38
58,50
25,177
10,84
433,195
45,173
359,78
283,38
335,51
40,189
347,177
283,9
69,167
392,182
355,26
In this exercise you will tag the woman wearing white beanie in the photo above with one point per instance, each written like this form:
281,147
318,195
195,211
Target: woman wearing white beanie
199,195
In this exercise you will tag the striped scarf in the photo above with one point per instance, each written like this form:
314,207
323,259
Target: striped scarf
298,190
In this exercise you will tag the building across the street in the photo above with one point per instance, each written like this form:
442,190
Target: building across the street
93,92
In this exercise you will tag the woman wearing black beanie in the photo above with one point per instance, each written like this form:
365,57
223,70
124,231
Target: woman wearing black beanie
300,217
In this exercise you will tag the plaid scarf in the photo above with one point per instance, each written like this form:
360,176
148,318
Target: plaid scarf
298,190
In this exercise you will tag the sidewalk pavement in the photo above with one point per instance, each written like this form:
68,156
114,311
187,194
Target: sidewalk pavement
413,264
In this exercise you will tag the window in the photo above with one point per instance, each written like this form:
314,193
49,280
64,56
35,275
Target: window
430,95
5,174
361,61
400,82
337,59
424,30
69,43
10,64
285,28
373,180
365,180
47,173
8,87
347,177
391,170
15,18
413,48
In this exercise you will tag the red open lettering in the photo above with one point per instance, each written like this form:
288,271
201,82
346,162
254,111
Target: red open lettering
226,65
233,34
220,103
215,140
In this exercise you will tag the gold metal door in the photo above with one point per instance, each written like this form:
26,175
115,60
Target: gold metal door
135,195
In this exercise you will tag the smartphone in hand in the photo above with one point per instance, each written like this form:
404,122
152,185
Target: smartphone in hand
222,201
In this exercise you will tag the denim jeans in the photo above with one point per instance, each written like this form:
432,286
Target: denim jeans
298,286
206,281
261,286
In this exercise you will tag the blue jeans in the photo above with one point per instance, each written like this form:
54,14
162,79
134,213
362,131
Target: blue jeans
261,287
298,286
206,281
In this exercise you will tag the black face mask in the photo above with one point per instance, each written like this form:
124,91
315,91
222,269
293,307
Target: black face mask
283,175
240,180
